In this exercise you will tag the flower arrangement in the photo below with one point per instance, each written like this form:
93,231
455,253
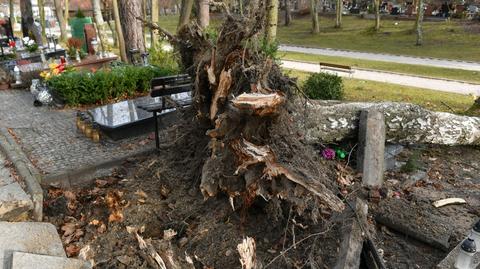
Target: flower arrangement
54,70
74,46
30,44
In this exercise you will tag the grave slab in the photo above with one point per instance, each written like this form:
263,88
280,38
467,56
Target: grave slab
22,260
32,237
450,259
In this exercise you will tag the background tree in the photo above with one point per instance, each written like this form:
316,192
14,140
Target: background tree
185,13
288,13
376,6
119,31
419,21
130,10
11,10
339,10
28,26
272,20
314,13
203,15
154,41
100,22
61,20
67,12
41,11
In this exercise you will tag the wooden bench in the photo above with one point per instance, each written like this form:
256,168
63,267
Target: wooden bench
178,88
336,67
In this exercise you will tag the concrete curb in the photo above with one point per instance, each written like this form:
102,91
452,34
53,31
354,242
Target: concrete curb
25,170
85,174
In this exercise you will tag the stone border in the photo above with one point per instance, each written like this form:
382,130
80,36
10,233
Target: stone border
25,170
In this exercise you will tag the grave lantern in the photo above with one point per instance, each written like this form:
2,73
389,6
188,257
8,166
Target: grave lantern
145,58
465,255
475,234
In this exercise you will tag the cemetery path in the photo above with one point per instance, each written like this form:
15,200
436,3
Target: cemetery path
444,63
52,143
394,78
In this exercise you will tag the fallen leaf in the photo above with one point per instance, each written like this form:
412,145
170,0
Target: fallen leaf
70,195
68,228
141,194
115,216
102,228
72,250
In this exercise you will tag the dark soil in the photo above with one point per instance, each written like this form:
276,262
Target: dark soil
160,192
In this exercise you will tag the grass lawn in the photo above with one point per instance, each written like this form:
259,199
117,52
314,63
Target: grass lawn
448,40
372,91
457,74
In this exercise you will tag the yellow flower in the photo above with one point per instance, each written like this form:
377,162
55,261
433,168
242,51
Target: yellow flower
52,65
56,71
43,74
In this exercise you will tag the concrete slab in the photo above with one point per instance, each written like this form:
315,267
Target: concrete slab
22,260
14,202
31,237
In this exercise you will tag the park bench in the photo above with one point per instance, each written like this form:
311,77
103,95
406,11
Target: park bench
177,88
336,67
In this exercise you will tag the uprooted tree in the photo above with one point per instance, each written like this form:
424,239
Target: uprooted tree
242,101
259,131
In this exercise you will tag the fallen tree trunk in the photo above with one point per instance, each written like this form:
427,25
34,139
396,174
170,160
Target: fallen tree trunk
330,121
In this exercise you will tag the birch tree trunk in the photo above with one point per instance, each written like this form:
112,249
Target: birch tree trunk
376,4
272,20
131,26
185,13
314,11
61,20
100,22
203,16
331,121
118,27
338,17
154,41
288,13
419,22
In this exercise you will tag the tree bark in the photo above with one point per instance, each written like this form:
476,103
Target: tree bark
314,13
203,16
185,13
154,41
28,26
376,4
118,27
329,121
130,10
338,17
272,20
100,22
419,22
288,13
61,20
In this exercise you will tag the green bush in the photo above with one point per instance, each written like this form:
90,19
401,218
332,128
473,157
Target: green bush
163,59
90,88
324,86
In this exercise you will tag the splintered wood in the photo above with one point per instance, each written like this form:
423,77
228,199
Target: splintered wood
246,249
221,92
260,104
249,154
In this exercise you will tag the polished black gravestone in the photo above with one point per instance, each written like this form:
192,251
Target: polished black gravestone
126,119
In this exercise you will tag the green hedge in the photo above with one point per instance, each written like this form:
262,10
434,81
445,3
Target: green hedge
324,86
90,88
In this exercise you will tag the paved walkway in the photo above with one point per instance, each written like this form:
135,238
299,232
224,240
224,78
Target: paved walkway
50,139
406,80
473,66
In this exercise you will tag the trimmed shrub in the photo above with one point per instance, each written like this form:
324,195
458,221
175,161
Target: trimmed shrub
324,86
90,88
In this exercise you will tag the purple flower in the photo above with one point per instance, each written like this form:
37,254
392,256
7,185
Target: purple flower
328,154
